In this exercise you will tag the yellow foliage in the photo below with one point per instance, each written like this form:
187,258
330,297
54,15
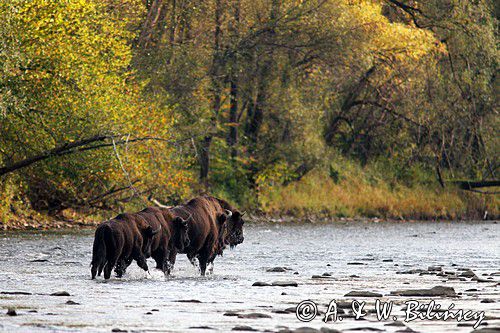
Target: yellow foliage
354,196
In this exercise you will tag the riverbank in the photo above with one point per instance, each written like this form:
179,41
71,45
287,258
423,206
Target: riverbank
57,223
360,194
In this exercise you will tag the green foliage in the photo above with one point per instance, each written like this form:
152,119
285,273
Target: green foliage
278,97
66,76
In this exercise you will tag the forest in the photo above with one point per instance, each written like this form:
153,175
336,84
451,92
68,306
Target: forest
345,108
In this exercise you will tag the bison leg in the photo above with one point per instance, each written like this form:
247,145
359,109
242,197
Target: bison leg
107,270
101,267
159,257
110,263
203,260
121,266
93,271
172,255
141,262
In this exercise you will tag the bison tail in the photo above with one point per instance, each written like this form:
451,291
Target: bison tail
99,251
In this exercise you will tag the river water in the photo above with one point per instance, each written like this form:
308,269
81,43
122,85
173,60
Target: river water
357,256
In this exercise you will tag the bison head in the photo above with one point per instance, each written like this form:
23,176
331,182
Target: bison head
147,240
181,235
234,227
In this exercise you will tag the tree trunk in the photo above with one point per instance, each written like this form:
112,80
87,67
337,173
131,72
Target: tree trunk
216,98
154,18
348,103
263,83
232,138
205,159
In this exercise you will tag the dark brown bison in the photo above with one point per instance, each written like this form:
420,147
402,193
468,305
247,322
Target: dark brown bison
214,224
172,237
125,238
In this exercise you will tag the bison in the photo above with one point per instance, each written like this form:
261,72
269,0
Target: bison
125,238
214,224
173,237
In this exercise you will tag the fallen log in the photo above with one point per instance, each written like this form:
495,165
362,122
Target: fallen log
470,185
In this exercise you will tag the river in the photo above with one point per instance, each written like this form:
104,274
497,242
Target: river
350,256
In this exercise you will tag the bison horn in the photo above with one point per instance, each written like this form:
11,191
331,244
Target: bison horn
229,213
154,232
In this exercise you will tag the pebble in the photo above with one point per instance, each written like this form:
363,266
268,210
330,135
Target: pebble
487,300
284,284
11,312
260,284
362,294
118,330
369,329
468,273
306,330
244,328
435,268
15,293
406,330
411,271
321,276
478,279
254,315
434,291
60,293
230,314
277,269
70,302
396,323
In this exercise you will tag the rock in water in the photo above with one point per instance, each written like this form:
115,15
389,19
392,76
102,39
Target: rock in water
362,294
276,269
244,328
11,312
432,292
60,293
15,293
253,315
487,300
328,330
284,284
260,284
306,330
396,323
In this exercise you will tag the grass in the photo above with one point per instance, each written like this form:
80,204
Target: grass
359,193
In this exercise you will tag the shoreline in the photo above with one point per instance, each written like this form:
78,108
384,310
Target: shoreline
54,223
